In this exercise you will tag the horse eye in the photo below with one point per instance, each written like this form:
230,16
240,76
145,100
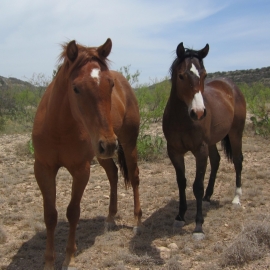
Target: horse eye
181,77
75,89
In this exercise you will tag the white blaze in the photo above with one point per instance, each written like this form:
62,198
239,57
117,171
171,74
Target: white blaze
95,74
194,70
197,103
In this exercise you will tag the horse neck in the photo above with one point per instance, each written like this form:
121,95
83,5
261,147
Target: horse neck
174,99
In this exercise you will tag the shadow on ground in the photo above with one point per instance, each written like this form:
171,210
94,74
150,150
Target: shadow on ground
31,253
160,226
157,226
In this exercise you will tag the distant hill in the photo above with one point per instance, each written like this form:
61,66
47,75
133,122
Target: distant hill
238,76
245,76
8,83
248,76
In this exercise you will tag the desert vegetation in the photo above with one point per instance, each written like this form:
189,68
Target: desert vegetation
236,238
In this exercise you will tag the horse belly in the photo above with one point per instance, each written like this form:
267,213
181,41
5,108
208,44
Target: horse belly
222,115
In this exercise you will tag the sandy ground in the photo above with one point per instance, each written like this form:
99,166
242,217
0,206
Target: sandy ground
159,246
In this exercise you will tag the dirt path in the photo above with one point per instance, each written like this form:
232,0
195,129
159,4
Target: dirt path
22,231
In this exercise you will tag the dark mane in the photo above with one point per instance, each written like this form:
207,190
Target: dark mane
189,53
85,55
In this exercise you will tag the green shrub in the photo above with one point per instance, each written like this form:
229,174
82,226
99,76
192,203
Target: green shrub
258,103
152,101
31,149
18,105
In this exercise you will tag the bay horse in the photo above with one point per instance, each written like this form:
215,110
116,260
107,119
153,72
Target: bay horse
197,116
86,111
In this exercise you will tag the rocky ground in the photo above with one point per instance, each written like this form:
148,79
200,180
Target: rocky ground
159,246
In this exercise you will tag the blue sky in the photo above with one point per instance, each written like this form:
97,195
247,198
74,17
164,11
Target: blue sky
144,33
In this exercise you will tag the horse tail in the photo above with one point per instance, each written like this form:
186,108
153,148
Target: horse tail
227,148
123,164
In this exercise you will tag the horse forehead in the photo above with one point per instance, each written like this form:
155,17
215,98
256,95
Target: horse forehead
92,71
91,66
195,67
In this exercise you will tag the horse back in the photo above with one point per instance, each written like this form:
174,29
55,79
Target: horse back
226,104
226,91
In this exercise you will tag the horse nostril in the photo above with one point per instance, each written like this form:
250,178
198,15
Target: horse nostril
204,113
193,115
101,147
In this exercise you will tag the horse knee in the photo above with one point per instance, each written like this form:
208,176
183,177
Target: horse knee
198,189
50,218
73,213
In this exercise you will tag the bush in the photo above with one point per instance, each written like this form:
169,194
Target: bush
251,244
18,105
258,103
152,102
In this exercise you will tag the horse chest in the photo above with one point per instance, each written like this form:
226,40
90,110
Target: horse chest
185,137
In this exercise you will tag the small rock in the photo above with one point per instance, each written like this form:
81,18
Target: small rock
173,246
165,253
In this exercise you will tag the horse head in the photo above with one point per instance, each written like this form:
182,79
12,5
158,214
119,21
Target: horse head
89,92
188,75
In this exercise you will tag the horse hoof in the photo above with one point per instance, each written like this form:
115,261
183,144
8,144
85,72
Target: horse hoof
206,203
236,205
206,199
137,230
236,201
198,236
179,224
109,226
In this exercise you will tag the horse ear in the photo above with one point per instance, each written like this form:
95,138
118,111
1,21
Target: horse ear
203,52
72,50
105,49
180,50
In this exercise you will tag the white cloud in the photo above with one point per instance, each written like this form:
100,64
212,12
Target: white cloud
144,33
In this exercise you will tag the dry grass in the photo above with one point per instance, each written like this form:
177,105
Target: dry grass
243,230
174,263
3,236
251,244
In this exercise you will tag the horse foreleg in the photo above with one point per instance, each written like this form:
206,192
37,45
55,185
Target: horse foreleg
45,177
198,188
112,174
179,166
80,180
214,162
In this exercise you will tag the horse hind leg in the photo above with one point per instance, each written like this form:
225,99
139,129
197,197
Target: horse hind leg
235,141
45,177
112,174
130,171
214,158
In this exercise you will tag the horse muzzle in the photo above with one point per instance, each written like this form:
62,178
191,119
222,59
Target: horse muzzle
197,115
107,149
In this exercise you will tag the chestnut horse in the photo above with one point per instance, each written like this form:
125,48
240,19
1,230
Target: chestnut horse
86,111
199,114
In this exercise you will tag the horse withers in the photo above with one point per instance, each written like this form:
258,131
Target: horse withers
86,111
198,115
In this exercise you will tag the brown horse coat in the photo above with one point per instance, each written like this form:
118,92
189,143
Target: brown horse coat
86,111
196,117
